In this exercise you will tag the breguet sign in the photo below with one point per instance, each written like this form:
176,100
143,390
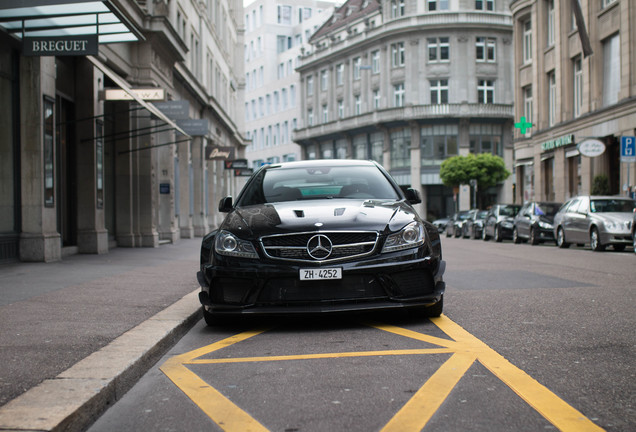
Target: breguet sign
60,46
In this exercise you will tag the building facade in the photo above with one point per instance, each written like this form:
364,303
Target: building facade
107,148
410,83
575,82
276,32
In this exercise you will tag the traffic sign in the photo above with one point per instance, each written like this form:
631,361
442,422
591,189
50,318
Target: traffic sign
628,149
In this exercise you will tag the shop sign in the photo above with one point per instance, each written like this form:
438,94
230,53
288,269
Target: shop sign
559,142
60,46
243,172
591,147
175,109
194,127
147,94
219,153
236,164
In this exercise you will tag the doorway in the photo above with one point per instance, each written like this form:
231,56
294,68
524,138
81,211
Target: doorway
66,171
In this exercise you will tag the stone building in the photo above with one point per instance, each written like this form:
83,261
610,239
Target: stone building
103,134
575,82
410,83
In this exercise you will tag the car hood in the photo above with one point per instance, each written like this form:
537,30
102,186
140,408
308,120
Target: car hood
319,215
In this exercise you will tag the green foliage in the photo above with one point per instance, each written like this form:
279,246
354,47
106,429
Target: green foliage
486,168
600,185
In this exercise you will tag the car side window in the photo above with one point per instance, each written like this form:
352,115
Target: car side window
584,206
574,205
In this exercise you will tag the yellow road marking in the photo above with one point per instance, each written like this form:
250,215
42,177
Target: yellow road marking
416,413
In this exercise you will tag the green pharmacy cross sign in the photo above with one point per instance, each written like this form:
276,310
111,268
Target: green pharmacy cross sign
523,125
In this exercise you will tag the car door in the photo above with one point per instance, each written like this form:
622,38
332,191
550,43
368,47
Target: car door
523,220
579,222
567,219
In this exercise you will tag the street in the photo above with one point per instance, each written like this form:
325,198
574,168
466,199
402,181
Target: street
533,338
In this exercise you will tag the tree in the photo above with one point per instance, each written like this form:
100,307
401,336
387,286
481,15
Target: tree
487,169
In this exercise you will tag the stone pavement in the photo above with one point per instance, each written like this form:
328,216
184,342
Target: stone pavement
76,334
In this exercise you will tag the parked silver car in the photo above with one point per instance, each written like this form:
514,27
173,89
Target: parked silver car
595,220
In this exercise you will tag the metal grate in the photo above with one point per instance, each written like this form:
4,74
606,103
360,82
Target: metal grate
345,245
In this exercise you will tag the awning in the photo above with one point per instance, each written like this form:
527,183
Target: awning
54,18
124,86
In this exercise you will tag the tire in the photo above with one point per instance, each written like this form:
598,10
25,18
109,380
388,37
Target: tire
484,236
560,239
515,236
533,236
213,320
595,240
498,237
634,240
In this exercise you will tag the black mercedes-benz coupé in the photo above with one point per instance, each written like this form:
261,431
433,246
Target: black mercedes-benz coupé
321,236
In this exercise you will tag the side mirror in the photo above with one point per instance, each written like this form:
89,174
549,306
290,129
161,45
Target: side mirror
412,196
225,205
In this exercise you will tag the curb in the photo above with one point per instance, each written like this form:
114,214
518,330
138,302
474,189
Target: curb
74,399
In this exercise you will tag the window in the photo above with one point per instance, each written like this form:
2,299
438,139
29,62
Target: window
375,62
485,49
310,117
434,5
324,80
283,99
578,86
438,142
376,99
611,70
357,104
284,14
551,98
340,74
527,104
397,8
485,91
397,54
281,70
281,44
527,41
398,95
325,113
606,3
438,49
485,138
356,68
439,92
485,5
310,86
292,96
341,112
550,21
400,148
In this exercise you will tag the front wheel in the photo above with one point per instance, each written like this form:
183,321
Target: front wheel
561,239
595,240
515,236
534,240
484,236
498,237
634,241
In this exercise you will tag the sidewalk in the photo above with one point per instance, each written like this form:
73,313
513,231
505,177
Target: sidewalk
76,334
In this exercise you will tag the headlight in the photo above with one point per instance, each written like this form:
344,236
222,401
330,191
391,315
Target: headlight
228,244
506,224
612,226
410,236
545,225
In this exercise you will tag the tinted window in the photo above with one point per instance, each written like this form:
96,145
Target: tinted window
321,182
612,205
509,210
546,209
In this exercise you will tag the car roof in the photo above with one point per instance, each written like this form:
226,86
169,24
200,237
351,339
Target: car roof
322,163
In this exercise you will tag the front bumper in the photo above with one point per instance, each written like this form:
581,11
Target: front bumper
397,280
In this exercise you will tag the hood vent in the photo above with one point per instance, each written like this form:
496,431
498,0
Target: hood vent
299,213
339,211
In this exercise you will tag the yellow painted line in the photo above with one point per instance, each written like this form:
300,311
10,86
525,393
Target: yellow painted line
417,412
420,408
549,405
216,406
322,356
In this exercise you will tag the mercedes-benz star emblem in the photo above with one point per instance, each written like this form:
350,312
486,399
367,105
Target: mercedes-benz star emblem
319,247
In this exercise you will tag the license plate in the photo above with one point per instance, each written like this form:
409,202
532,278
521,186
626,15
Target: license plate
321,273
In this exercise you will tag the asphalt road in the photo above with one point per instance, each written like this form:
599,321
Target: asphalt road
532,338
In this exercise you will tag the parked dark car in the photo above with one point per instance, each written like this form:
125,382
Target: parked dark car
499,222
321,236
456,223
534,221
474,224
595,220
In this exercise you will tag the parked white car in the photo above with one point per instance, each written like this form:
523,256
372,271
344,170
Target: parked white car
595,220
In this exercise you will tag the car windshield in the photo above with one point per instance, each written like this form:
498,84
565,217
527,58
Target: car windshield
481,214
612,205
319,182
509,210
463,215
546,209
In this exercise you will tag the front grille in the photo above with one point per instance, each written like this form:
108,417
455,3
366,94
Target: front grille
344,245
281,291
